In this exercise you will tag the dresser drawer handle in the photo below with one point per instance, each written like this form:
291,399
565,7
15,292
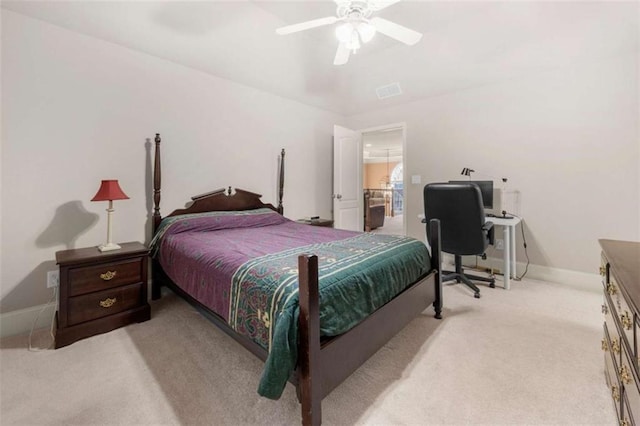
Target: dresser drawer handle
108,302
615,345
626,321
605,309
611,289
605,347
109,275
615,393
624,422
624,375
603,271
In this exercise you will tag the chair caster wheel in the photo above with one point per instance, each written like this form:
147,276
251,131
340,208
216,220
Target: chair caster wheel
476,295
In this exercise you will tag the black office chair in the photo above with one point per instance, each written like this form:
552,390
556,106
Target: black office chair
463,228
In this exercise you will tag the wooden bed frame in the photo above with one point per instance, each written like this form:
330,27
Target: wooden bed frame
323,363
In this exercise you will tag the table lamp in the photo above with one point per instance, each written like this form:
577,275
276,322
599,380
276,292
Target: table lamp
109,191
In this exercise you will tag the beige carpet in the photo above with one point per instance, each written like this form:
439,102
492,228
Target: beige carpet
530,355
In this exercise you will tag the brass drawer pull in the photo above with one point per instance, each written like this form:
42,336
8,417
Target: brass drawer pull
108,302
615,393
611,289
603,271
605,347
605,309
624,375
615,345
109,275
626,321
624,422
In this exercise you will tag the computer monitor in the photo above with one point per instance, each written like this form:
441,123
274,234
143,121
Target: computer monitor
486,189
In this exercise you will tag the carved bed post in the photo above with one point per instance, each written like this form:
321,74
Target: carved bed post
436,263
156,281
157,178
309,345
281,183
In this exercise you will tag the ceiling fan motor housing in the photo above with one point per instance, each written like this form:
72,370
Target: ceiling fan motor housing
356,10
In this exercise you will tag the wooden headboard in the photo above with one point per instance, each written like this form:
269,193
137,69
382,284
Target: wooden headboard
218,200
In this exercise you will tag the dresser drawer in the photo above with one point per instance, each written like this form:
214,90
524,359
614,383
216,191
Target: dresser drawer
88,279
604,269
636,359
611,378
611,330
625,316
103,303
627,414
630,383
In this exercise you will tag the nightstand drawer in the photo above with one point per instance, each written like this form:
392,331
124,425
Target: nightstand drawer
103,303
108,275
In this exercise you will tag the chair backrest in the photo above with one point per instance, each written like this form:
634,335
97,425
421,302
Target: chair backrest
459,208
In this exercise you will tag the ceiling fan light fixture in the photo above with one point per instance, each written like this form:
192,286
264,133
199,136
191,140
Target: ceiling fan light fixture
344,32
366,31
354,43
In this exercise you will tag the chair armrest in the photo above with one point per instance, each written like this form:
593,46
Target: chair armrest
490,230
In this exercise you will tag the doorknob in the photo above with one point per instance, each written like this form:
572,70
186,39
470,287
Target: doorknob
339,197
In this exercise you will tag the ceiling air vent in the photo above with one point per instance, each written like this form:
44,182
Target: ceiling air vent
388,91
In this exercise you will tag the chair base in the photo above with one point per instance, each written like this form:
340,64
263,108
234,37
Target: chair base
465,279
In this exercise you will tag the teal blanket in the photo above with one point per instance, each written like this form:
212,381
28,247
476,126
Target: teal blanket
357,276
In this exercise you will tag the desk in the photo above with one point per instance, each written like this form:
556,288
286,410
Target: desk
509,255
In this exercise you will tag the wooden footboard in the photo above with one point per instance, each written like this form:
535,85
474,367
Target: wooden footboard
322,365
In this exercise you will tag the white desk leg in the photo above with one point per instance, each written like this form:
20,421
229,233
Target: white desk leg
513,252
507,255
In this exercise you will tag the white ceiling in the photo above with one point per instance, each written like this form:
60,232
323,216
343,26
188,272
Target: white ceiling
465,44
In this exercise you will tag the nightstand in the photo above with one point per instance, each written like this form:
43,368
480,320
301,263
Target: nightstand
101,291
317,222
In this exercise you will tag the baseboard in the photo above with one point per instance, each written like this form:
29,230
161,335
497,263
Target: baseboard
537,272
19,322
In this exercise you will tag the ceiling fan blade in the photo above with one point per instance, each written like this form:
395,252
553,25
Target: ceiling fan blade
342,55
396,31
306,25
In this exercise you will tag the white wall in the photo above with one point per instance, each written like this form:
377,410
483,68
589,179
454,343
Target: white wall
566,138
76,110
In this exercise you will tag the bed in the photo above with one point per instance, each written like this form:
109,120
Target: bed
260,277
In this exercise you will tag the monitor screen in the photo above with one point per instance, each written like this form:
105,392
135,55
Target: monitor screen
486,188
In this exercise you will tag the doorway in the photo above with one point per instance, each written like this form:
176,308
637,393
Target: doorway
383,179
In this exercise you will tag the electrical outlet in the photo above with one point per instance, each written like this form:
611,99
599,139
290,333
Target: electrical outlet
53,278
499,244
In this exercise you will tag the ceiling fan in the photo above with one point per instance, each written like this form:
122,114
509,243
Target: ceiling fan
358,27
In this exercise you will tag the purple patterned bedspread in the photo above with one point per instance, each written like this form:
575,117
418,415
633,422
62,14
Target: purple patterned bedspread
202,263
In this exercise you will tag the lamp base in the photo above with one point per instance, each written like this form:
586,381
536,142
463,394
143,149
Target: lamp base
108,247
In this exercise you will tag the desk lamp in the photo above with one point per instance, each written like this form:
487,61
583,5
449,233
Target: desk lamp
109,191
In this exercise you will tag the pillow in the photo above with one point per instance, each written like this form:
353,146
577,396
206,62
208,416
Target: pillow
212,221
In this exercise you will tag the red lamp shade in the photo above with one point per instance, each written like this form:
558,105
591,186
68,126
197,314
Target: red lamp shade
110,190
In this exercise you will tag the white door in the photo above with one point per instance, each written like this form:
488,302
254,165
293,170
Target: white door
347,179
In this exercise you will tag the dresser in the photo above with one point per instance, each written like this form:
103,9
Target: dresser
620,271
101,291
